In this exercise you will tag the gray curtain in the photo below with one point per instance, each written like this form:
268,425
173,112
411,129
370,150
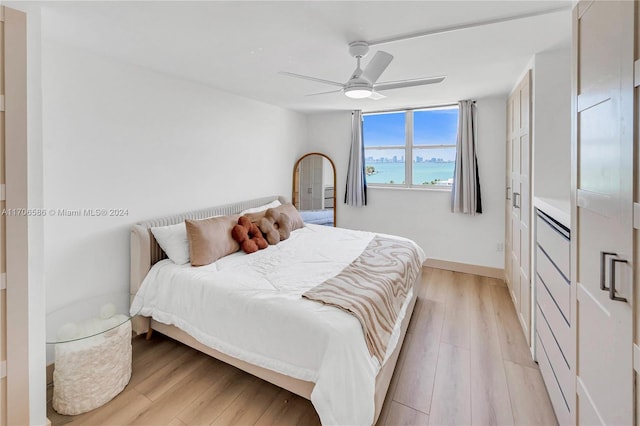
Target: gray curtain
356,191
465,194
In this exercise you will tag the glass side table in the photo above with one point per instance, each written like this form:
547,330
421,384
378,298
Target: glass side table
91,341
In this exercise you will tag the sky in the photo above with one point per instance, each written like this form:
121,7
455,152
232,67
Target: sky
431,127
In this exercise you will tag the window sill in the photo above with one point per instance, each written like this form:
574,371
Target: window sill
410,188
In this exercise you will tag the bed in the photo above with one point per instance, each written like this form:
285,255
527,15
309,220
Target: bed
318,217
247,310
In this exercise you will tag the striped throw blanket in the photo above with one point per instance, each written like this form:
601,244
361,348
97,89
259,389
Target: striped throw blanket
373,288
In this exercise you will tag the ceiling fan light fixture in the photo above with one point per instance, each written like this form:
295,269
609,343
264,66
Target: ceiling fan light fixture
358,88
357,92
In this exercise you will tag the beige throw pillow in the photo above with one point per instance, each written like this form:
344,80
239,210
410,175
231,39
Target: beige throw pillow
210,239
256,216
293,214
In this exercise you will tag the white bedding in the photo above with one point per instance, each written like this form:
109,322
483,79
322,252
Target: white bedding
250,307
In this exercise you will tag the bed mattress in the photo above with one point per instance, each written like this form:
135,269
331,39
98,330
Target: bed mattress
317,217
250,307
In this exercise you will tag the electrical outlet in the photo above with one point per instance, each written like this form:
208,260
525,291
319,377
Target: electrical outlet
500,247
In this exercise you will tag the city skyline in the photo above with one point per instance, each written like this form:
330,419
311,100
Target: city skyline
447,153
395,159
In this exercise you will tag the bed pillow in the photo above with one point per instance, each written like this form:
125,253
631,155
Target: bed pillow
173,240
293,214
210,239
256,216
262,208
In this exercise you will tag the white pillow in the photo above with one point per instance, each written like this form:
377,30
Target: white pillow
173,240
271,205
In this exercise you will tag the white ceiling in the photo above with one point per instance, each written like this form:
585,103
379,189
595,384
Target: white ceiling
240,46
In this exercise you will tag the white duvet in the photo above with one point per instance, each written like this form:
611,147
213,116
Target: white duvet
250,307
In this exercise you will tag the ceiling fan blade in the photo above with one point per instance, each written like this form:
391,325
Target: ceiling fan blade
408,83
376,96
377,65
306,77
325,93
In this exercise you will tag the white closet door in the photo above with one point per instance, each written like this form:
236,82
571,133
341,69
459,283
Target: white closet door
514,183
518,263
603,179
523,203
508,194
317,182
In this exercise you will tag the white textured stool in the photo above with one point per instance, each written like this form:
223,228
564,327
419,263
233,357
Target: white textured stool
89,372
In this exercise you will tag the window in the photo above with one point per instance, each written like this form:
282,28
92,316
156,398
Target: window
427,137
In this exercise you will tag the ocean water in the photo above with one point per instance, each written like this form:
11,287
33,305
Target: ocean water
422,172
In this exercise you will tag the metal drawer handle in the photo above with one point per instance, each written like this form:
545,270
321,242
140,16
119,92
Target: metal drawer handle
508,197
612,280
514,203
603,255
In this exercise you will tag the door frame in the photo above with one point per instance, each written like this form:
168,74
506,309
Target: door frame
25,347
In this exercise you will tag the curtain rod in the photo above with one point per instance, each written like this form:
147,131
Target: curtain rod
411,108
454,28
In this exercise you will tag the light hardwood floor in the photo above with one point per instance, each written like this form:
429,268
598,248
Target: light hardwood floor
464,361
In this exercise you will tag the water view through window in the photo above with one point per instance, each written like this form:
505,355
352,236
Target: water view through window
427,137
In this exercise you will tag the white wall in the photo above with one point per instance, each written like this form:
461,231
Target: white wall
119,136
552,124
424,215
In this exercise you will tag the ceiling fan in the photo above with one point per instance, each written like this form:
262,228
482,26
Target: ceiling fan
363,83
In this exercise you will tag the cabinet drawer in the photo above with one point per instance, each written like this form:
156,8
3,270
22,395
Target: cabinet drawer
554,318
559,404
557,358
556,284
551,237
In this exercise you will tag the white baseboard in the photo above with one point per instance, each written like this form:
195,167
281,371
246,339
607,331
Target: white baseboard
485,271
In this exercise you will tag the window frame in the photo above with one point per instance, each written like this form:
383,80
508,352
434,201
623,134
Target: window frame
409,147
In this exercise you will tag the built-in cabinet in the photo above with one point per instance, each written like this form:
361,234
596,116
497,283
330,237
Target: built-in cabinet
602,209
584,316
553,325
583,251
518,204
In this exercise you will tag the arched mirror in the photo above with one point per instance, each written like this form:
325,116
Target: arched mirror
314,184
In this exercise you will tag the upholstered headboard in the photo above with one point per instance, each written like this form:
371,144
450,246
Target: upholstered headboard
145,251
